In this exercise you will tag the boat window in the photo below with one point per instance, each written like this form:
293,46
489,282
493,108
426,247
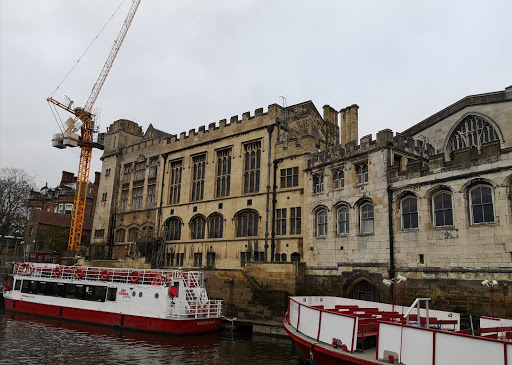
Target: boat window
17,284
25,286
33,287
70,291
41,288
79,292
111,294
99,293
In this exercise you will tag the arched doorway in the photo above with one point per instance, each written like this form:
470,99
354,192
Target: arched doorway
365,290
295,257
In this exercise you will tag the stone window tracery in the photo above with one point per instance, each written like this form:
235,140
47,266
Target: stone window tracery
172,228
175,190
223,172
197,226
247,223
215,226
252,167
473,131
198,174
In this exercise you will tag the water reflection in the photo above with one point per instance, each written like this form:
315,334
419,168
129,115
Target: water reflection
35,340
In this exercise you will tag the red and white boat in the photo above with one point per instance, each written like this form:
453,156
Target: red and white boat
169,301
332,330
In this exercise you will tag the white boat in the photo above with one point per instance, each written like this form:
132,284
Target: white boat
332,330
169,301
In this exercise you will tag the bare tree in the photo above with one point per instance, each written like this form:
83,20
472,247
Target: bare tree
15,187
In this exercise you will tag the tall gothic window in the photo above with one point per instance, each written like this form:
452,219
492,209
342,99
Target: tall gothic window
120,235
473,131
252,167
366,218
124,200
197,225
137,198
151,195
215,226
482,210
223,172
140,170
318,183
153,167
247,223
343,220
409,209
295,220
133,234
198,170
172,228
127,173
443,213
281,221
175,191
321,223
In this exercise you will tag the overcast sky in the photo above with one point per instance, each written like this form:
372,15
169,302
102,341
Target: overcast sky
185,64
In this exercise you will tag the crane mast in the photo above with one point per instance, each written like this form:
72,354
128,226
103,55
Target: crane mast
83,120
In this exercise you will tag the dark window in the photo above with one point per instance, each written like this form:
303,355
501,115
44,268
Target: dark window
17,284
409,213
151,196
99,233
295,220
443,214
247,224
277,257
111,294
153,167
482,210
137,198
140,170
472,131
179,259
281,221
172,228
295,257
216,226
223,172
283,257
321,223
127,173
198,259
124,200
318,183
175,190
120,235
198,174
197,227
252,167
210,259
289,177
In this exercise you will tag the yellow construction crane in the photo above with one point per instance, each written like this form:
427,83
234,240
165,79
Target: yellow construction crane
83,121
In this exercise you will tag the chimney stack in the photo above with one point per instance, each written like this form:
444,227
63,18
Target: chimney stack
349,124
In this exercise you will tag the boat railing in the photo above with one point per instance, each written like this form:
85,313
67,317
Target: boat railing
186,309
417,303
192,279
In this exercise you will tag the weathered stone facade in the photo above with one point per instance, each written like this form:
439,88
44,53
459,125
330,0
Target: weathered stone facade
211,195
435,207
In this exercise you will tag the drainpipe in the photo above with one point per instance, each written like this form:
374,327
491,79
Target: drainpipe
164,155
391,237
274,199
270,128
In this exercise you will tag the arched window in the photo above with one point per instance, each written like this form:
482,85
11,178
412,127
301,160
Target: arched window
362,173
321,223
409,209
197,225
366,218
343,220
120,235
295,257
482,210
133,234
172,229
442,208
472,131
338,177
247,223
283,257
215,225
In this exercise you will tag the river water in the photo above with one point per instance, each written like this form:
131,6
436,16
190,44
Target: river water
36,340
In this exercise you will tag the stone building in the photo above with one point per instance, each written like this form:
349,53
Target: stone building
51,208
432,203
219,197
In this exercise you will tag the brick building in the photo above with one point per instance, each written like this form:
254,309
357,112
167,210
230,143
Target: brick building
52,207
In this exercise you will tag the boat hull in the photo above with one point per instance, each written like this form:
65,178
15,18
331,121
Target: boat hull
321,354
161,325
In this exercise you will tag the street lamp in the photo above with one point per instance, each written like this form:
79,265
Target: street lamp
394,281
491,285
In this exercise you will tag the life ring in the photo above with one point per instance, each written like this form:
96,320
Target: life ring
156,280
79,272
57,271
193,308
135,276
105,274
27,269
173,291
